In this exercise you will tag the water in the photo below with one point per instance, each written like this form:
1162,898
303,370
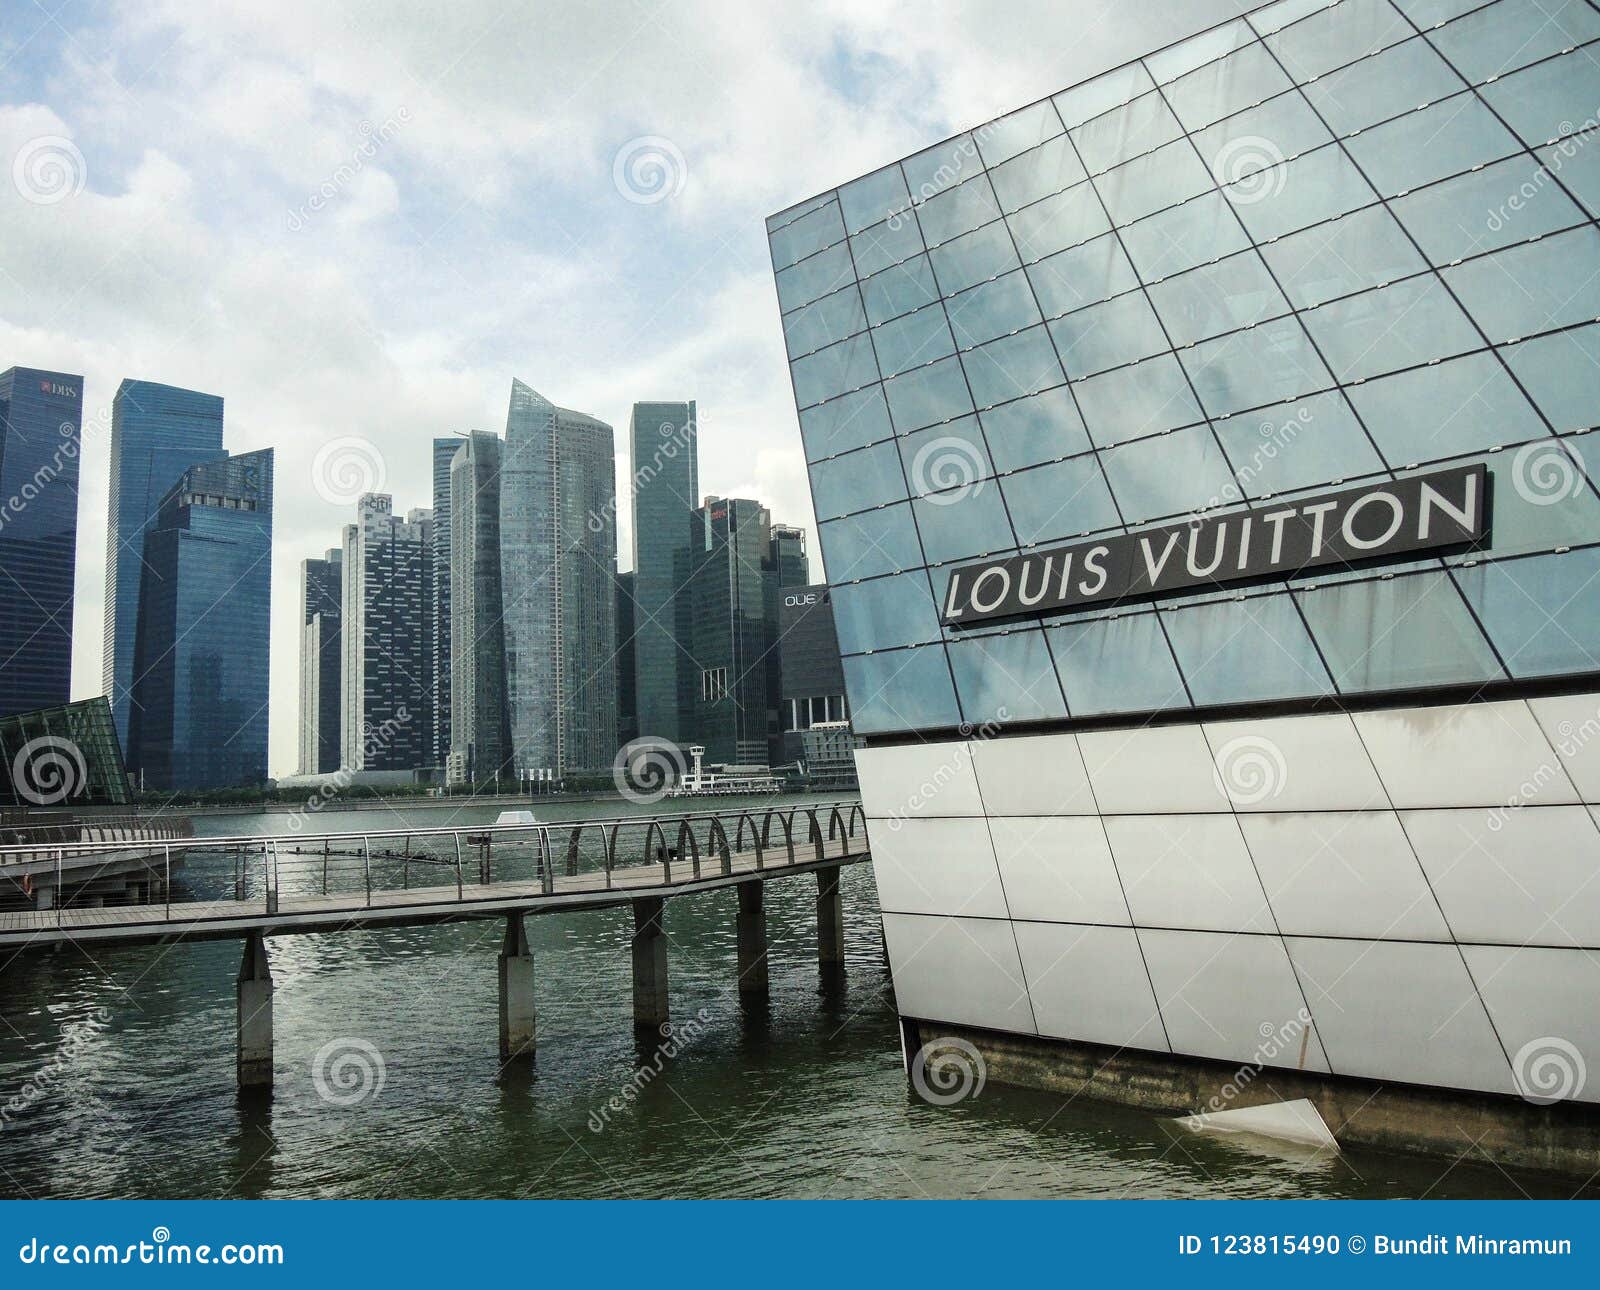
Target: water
808,1099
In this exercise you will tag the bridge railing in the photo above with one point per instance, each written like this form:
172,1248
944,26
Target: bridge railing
464,862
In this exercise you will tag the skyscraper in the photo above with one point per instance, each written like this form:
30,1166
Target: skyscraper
558,556
386,705
627,663
157,432
789,560
444,452
198,713
321,663
666,488
41,416
480,732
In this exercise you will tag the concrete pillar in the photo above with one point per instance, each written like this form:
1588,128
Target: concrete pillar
516,992
752,942
649,964
255,1014
830,926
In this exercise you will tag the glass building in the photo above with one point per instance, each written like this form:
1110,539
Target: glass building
444,454
811,680
198,719
627,666
60,758
157,432
481,724
41,418
663,441
1319,251
321,662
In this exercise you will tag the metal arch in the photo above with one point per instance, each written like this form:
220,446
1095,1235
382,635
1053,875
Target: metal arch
686,831
836,822
611,849
813,831
788,828
717,842
573,850
857,813
649,856
546,865
755,837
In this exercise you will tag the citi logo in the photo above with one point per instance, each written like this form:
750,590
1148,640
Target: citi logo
59,391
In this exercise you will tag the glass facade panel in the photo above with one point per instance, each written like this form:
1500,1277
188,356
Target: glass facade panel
1250,369
1398,80
1081,102
1507,202
1307,190
1061,500
963,522
1444,139
1175,60
1400,326
1042,427
833,371
1058,222
910,341
869,543
1562,374
956,211
1261,137
872,198
1158,179
1235,292
1108,335
1125,132
970,259
856,480
942,167
992,309
814,277
1221,88
1363,249
1445,410
845,423
1541,613
1577,161
1132,402
1183,237
1095,271
1297,445
1527,289
1542,103
885,612
896,239
1337,35
946,456
1010,135
1245,651
899,290
1117,664
1050,168
1172,474
808,234
1006,678
907,689
1501,38
1012,367
928,395
825,321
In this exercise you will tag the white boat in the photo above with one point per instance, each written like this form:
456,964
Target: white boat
727,781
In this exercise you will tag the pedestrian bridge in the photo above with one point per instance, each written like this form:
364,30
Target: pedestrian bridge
257,887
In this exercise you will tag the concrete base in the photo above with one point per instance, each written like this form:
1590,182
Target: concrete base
255,1014
830,927
649,964
517,1017
752,929
1476,1127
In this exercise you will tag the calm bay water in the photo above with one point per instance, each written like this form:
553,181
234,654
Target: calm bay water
807,1099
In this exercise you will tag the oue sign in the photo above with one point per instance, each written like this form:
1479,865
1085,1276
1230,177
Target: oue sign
1403,517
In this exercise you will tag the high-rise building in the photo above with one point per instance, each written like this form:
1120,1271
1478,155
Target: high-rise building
321,663
157,432
666,488
558,559
627,673
385,717
198,715
1205,472
789,559
444,453
41,416
481,729
811,685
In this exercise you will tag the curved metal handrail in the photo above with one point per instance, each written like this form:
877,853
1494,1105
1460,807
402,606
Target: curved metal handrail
686,832
717,843
650,856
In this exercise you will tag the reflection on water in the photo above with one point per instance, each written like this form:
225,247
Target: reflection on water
388,1082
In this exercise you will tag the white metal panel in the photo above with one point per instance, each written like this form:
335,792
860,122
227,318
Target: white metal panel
937,866
1188,871
1543,1004
1572,725
1152,769
910,780
961,970
1089,984
1058,868
1033,775
1306,763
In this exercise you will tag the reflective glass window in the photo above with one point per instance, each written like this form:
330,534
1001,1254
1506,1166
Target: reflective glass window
1216,298
1504,37
1108,335
1308,190
1539,500
912,340
1219,89
1081,102
1365,248
947,456
1241,651
941,167
1117,664
1049,168
1060,500
899,290
1445,410
1006,678
1397,633
775,222
839,368
897,238
1577,161
1541,613
1445,139
1085,274
1175,60
849,422
1507,202
824,321
823,227
927,395
1305,443
1171,474
1146,184
1125,132
1058,222
1400,326
1262,137
1132,402
963,523
1275,17
815,276
1011,367
1011,135
1183,237
1337,35
992,309
1427,12
956,211
1375,89
870,543
1039,428
1248,369
872,198
902,690
1545,101
1527,289
1562,373
984,253
885,612
856,481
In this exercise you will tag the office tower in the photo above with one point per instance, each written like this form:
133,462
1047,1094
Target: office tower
1204,469
444,453
157,432
384,692
789,559
481,731
321,663
730,629
627,672
41,415
198,715
666,488
558,558
811,680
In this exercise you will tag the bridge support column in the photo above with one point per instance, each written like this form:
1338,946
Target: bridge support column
830,927
255,1014
752,942
649,964
516,991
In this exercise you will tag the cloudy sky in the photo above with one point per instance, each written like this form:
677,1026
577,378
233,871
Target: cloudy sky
364,219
